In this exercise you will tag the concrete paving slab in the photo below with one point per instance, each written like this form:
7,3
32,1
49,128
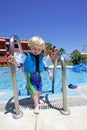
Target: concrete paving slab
48,119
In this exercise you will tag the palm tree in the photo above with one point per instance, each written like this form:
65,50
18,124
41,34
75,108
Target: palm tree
62,51
76,57
48,48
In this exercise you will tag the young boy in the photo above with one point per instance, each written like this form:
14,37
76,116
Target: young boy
33,66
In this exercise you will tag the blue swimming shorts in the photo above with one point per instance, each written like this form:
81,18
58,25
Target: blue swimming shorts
34,82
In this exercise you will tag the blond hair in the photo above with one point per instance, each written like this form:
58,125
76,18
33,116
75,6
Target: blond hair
37,41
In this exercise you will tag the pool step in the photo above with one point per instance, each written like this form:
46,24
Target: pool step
50,103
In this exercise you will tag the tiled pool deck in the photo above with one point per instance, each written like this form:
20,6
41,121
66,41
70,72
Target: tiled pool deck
50,117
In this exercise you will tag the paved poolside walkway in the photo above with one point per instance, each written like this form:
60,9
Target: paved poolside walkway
48,119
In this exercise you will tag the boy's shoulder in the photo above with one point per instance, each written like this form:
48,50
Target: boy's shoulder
26,53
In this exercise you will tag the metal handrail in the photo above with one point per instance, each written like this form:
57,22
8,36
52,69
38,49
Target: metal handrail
64,110
54,71
18,113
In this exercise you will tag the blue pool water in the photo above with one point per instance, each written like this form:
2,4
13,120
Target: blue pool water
71,78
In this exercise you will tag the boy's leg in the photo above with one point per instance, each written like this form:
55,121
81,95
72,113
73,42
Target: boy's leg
33,89
35,99
39,100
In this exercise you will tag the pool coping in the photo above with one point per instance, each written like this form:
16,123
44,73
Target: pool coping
50,102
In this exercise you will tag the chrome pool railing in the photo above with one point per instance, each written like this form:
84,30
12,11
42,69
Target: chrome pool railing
18,113
64,110
54,72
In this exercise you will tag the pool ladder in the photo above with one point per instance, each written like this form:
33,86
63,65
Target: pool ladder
19,113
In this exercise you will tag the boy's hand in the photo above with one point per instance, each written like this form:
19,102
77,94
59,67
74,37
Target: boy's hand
12,60
51,75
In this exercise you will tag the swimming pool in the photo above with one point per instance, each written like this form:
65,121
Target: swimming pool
71,78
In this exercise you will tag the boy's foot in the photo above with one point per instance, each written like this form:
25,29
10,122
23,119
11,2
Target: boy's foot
41,101
36,110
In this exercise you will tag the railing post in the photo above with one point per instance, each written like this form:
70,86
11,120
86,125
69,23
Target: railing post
54,70
18,113
64,110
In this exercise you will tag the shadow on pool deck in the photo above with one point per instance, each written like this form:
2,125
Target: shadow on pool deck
50,102
27,103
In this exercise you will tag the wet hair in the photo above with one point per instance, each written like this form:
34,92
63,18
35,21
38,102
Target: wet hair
37,41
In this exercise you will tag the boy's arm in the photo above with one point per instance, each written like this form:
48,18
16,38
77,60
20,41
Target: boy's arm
49,72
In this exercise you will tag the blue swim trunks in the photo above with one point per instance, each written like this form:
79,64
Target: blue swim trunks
34,82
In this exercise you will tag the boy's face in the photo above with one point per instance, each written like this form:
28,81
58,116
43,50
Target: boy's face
36,50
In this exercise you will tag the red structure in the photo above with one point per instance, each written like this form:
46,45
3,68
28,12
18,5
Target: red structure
4,50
